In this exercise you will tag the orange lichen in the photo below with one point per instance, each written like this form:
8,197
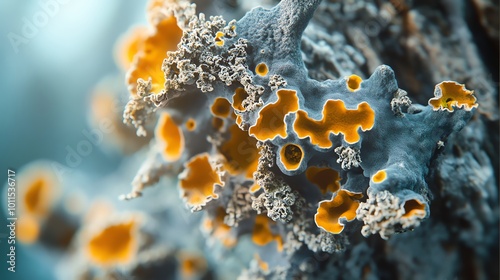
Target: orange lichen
379,177
291,156
115,244
239,95
218,39
262,233
149,58
336,119
130,45
219,229
221,107
169,137
452,94
414,207
353,82
192,265
35,197
190,124
217,123
27,229
264,266
271,120
255,187
329,212
198,181
38,190
327,179
261,69
241,152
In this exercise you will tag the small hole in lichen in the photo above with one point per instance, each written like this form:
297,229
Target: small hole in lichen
191,124
291,156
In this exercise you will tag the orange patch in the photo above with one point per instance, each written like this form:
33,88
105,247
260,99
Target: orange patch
354,82
241,152
271,120
452,94
115,244
149,59
190,124
27,229
219,229
169,137
262,234
199,180
336,119
261,69
130,45
343,205
327,179
379,177
239,95
221,107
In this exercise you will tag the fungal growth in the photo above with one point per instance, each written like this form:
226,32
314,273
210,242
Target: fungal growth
354,82
336,118
271,120
268,130
198,190
114,244
278,143
331,212
170,137
450,95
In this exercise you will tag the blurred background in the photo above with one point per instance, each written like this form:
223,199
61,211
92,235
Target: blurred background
46,83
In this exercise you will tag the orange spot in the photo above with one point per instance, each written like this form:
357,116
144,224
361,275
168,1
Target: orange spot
329,212
353,82
254,188
39,189
115,244
291,156
261,69
239,119
264,266
379,177
217,123
129,46
413,207
27,229
452,94
34,197
218,39
262,234
190,124
192,265
239,95
221,107
149,59
336,119
271,120
219,229
199,180
241,152
327,179
169,137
